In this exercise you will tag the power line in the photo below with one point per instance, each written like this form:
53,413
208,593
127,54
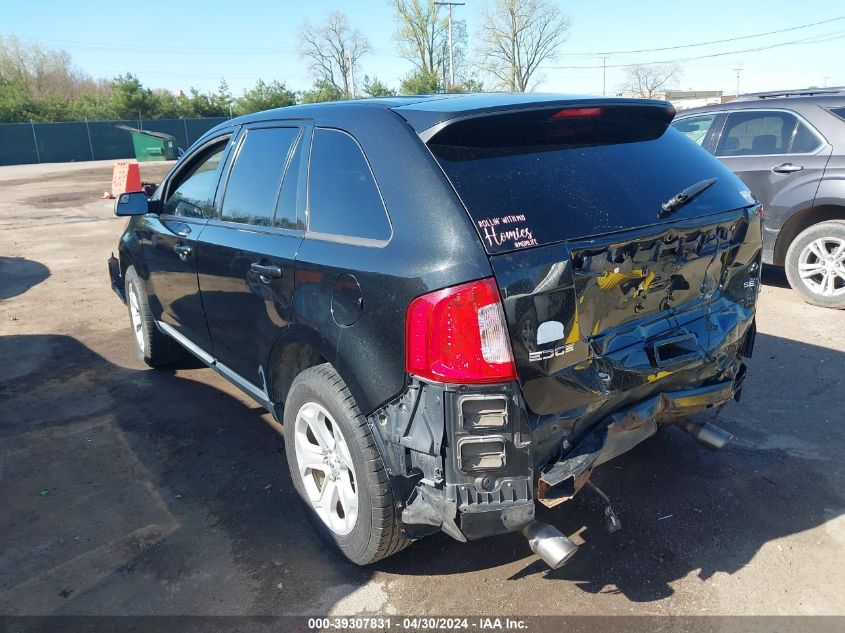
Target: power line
280,49
229,50
169,48
730,39
810,40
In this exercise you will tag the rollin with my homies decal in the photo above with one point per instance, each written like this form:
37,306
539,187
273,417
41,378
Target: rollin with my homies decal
506,231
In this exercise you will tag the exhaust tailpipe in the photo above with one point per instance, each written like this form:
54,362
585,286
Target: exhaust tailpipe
549,543
708,434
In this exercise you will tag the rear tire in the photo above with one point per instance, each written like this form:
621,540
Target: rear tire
337,470
152,347
815,264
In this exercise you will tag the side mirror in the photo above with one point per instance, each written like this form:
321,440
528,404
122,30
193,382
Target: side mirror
132,203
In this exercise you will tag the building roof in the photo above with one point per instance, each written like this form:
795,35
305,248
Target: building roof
672,95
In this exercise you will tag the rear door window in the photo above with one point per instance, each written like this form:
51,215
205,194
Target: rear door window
537,178
252,191
765,133
343,198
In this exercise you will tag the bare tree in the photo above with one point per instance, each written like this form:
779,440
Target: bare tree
647,81
41,71
517,36
334,48
421,34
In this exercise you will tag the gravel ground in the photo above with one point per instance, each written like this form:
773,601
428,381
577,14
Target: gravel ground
127,490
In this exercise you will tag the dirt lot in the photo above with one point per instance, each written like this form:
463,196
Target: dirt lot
131,491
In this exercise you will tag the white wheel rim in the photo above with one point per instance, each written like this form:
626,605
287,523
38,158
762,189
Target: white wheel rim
135,317
821,266
325,466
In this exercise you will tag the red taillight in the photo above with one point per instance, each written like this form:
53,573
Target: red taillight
575,113
458,335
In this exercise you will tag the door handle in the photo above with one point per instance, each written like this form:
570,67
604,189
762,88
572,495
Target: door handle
266,272
787,168
182,250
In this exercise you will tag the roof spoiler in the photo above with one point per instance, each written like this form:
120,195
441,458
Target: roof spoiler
546,117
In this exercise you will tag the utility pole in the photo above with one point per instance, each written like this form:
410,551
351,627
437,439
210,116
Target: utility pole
604,74
825,81
451,50
351,77
738,70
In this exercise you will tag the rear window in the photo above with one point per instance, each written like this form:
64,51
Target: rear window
343,198
535,178
840,112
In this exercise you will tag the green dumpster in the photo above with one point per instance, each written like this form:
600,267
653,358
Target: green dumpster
152,145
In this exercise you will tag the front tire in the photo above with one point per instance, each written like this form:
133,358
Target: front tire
815,264
337,470
152,347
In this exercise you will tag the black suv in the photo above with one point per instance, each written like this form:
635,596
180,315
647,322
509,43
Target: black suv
456,305
789,148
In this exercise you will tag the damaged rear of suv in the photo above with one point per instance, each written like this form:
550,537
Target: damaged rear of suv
625,274
458,306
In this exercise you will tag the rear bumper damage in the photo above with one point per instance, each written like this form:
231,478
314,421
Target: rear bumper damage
469,507
472,461
623,430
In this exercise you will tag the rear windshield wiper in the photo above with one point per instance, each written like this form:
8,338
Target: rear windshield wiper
680,199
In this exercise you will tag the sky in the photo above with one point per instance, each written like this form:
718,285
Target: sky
184,43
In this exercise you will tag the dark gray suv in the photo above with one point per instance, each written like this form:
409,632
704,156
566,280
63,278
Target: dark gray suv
789,149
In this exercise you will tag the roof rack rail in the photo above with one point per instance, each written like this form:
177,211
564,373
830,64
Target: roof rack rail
801,92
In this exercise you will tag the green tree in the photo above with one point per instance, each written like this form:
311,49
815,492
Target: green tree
92,106
323,91
130,99
421,82
265,96
375,88
222,100
51,108
14,104
421,33
165,105
197,104
468,85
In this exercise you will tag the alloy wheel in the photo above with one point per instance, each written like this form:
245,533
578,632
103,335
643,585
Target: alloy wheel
135,317
325,466
821,266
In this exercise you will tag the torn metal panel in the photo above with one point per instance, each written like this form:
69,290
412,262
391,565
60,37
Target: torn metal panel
428,507
420,435
652,309
619,433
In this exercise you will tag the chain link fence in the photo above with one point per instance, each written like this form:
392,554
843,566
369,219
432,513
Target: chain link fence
24,143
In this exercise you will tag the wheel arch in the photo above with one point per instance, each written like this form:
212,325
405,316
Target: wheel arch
297,349
801,221
129,254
